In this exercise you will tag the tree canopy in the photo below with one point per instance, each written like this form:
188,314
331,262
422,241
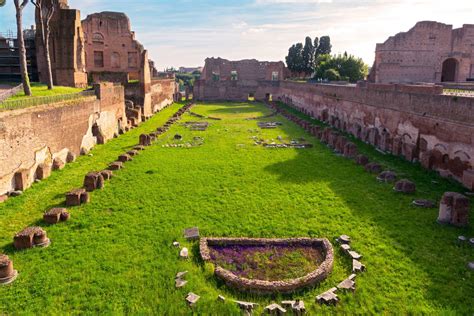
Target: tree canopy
348,67
301,58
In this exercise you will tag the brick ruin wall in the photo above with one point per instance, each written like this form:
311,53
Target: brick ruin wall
419,54
415,122
38,135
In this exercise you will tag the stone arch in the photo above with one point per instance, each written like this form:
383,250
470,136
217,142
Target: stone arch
442,148
462,155
449,70
98,38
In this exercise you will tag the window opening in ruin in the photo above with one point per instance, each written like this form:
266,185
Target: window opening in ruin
450,66
234,75
98,59
275,76
215,76
251,96
269,97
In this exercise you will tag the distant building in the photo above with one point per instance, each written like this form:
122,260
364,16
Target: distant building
10,57
429,52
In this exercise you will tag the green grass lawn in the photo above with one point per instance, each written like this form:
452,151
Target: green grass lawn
41,90
115,256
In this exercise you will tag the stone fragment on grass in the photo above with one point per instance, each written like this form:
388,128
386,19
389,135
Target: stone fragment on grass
454,209
176,244
424,203
346,248
31,237
357,266
221,298
125,158
274,309
348,284
7,272
77,197
362,160
93,181
470,265
184,253
107,174
192,298
191,233
139,148
179,283
132,153
56,215
373,167
180,275
354,255
405,186
344,239
387,176
117,165
246,307
328,297
296,306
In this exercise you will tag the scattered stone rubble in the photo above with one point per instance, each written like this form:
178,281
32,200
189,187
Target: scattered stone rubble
77,197
296,306
192,298
405,186
274,309
387,176
269,125
191,233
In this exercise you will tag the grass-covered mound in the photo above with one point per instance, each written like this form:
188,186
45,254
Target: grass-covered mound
115,255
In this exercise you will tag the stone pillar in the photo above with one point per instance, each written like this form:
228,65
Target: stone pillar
454,209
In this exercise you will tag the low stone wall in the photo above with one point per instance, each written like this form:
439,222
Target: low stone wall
264,287
434,129
33,138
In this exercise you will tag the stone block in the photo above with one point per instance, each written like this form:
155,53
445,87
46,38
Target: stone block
31,237
117,165
192,298
21,180
93,181
74,197
454,209
107,174
125,158
58,164
468,179
7,273
145,140
387,176
191,233
409,151
139,148
362,160
132,153
405,186
43,171
373,167
56,215
350,150
328,297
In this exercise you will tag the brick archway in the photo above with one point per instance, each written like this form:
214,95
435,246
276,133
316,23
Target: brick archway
450,69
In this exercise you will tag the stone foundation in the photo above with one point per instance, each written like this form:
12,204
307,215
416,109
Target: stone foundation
260,286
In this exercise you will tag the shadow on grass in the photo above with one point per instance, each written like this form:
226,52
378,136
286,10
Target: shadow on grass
414,231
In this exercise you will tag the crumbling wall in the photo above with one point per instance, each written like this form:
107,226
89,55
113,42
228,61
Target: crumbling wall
39,135
418,55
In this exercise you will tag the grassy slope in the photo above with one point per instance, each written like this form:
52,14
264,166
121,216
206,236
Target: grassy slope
114,256
41,90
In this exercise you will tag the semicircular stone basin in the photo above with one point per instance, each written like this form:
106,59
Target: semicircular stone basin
265,266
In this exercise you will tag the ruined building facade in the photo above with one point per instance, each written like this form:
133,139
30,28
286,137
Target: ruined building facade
430,52
222,79
111,47
66,47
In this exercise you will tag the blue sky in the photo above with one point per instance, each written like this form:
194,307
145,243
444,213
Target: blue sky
185,32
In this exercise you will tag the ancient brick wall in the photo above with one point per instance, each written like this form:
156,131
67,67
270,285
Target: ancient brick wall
423,54
38,135
66,48
111,46
434,129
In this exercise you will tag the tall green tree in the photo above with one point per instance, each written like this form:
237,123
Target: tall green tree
308,56
348,67
294,60
325,46
19,6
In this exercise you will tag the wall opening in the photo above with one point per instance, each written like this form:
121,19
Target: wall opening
449,70
98,59
269,97
233,75
251,96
